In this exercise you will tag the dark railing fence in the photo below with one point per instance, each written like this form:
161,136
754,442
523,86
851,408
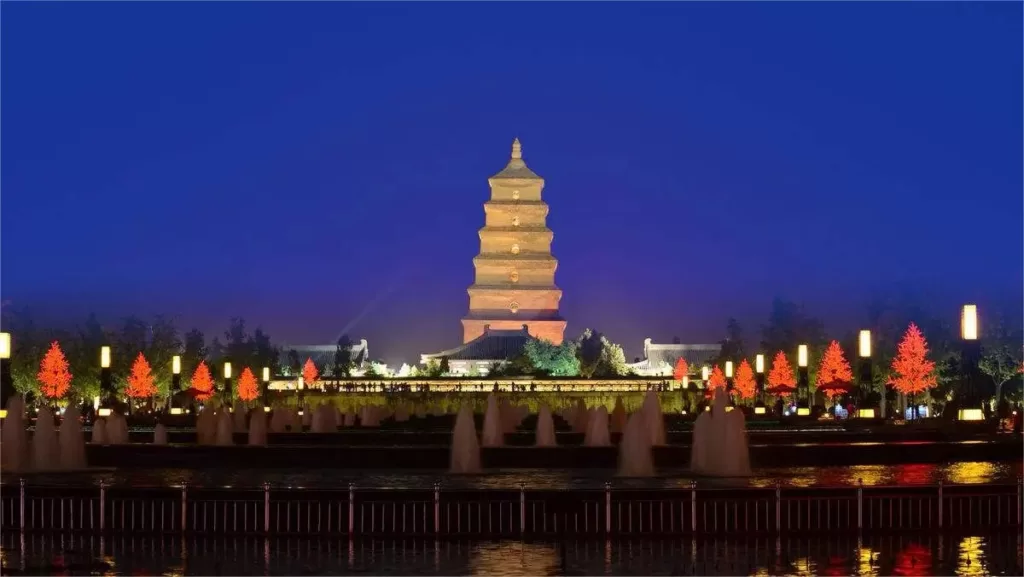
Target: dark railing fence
507,513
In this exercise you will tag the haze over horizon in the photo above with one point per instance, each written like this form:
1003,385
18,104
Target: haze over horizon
320,169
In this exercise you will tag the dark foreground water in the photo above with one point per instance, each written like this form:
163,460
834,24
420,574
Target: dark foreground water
827,475
998,554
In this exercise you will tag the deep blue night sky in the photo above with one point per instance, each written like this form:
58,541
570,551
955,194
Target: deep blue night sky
321,167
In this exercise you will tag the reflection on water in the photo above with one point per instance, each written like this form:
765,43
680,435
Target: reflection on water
891,555
917,474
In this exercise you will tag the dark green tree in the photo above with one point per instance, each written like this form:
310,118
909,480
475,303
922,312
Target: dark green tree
598,356
194,352
444,366
343,357
550,359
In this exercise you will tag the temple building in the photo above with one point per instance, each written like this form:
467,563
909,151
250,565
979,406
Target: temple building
660,359
514,282
513,296
323,357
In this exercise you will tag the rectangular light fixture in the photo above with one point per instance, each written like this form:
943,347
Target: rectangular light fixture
266,374
176,410
227,370
96,403
969,323
759,364
803,411
105,357
971,415
758,410
728,369
5,345
104,412
176,364
801,356
302,383
686,381
266,409
705,372
866,413
864,344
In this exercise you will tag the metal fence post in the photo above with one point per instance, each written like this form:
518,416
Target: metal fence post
184,505
351,508
103,505
693,506
607,508
941,504
1020,500
860,504
437,508
266,508
778,507
21,501
522,507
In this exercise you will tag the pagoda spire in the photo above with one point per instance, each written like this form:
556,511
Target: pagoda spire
517,150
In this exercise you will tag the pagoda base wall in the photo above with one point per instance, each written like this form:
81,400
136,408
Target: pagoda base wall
548,330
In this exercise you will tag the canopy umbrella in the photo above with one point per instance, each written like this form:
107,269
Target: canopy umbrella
781,390
833,388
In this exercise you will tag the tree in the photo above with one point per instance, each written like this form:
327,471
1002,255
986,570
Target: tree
265,354
163,344
343,357
444,367
912,372
54,376
247,389
1002,358
681,370
141,383
202,382
834,368
195,351
781,374
789,326
309,372
744,382
732,344
598,356
717,380
294,365
551,359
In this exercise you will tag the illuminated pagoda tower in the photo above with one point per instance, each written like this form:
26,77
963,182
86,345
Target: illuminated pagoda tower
513,296
515,271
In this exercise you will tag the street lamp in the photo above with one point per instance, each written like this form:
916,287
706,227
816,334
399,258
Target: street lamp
759,379
227,383
106,384
971,354
6,380
864,353
301,393
266,389
175,385
728,379
705,374
803,408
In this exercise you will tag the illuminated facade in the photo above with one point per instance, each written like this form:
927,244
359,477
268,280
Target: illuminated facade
660,358
514,284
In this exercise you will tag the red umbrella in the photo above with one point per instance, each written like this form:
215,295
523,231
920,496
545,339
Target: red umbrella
833,388
781,390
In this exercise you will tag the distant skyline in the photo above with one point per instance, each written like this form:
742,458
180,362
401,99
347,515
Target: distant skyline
321,168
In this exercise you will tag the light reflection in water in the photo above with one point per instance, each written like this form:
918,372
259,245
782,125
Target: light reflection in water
972,557
867,562
971,472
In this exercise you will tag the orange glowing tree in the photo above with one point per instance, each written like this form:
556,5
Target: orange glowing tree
54,376
682,369
781,376
141,384
834,371
912,372
744,382
309,372
247,388
716,380
202,382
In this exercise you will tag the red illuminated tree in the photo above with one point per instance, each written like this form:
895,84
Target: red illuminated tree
54,375
781,374
834,369
202,382
744,382
682,369
248,390
309,372
716,380
141,384
912,372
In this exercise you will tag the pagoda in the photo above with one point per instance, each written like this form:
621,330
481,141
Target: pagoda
514,287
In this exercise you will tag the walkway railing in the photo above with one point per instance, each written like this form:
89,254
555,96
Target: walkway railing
504,513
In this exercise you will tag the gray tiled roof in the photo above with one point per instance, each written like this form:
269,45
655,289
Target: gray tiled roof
493,345
323,355
695,355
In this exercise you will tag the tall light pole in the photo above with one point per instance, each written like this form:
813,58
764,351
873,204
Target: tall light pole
759,392
266,389
6,380
803,404
300,389
227,383
729,379
176,385
970,354
107,394
865,377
